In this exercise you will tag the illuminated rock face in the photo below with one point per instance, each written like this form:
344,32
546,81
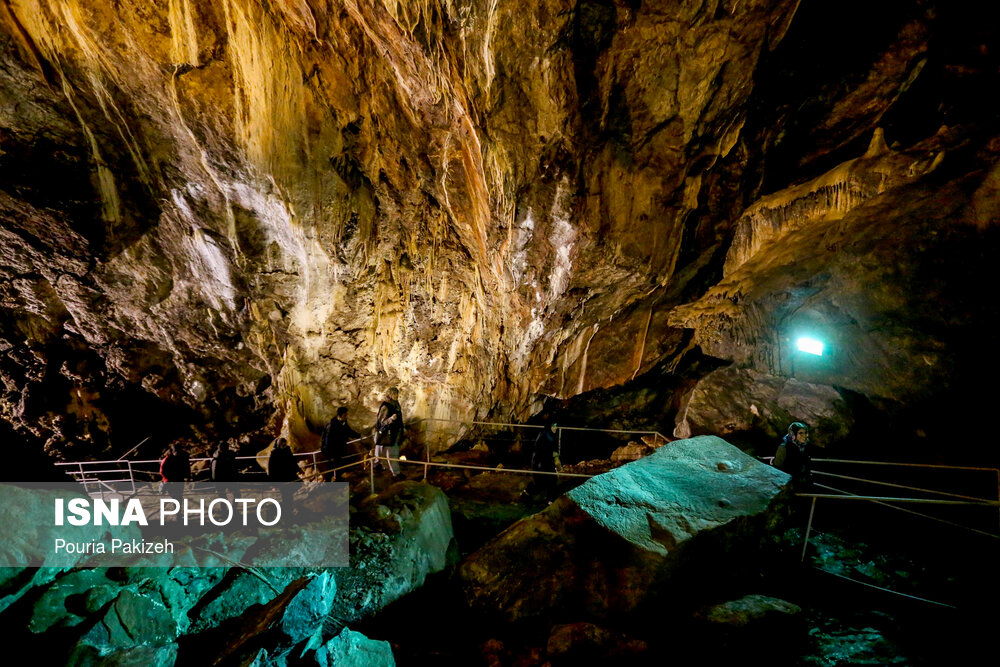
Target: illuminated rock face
890,284
237,214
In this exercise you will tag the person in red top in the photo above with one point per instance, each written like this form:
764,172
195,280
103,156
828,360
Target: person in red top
175,469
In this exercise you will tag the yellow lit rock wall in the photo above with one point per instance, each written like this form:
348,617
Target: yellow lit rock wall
480,202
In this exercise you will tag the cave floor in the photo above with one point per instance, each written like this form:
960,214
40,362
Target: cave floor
842,623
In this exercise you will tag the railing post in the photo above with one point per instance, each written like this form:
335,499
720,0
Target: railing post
805,543
131,476
371,473
559,446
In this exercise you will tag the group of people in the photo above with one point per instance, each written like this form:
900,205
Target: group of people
175,466
387,435
792,455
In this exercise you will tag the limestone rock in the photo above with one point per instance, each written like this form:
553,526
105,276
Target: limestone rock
73,598
353,649
631,452
16,581
139,656
731,401
304,614
293,616
764,613
229,239
612,543
861,281
394,554
131,620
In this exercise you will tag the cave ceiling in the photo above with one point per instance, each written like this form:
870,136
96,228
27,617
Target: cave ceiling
233,214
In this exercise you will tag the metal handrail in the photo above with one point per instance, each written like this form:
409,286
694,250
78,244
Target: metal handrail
931,466
906,464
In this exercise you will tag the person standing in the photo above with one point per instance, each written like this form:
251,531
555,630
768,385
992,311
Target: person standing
543,459
335,438
175,470
389,431
224,472
282,468
281,464
793,456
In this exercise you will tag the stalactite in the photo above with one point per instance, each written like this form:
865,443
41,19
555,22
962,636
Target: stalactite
641,347
825,199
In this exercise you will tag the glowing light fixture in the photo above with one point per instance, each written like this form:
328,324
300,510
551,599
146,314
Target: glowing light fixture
810,346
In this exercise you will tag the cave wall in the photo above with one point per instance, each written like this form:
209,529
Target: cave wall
239,214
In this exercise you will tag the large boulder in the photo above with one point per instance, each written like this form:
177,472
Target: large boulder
731,401
406,535
623,538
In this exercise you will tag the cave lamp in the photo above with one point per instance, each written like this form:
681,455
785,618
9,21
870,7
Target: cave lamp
810,346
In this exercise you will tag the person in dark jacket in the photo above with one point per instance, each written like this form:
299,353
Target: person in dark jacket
544,453
281,464
792,456
335,438
389,431
282,468
175,470
224,472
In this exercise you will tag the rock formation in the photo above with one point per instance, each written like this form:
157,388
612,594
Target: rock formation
622,539
159,615
223,219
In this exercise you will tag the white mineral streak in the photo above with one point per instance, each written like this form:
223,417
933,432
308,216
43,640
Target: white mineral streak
522,239
562,238
207,265
534,330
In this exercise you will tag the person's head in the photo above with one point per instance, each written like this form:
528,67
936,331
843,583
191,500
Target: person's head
281,443
175,448
799,432
392,394
341,413
553,426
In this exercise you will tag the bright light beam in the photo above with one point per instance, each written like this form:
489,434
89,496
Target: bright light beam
810,346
